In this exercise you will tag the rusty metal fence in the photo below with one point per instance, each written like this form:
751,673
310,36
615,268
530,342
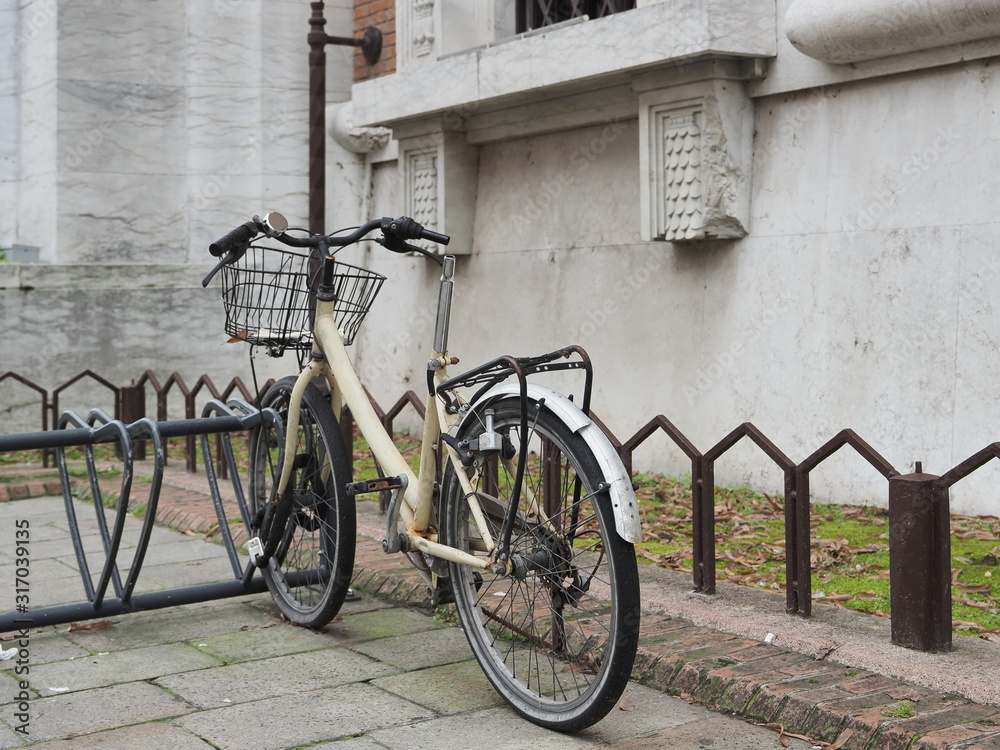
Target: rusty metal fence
919,511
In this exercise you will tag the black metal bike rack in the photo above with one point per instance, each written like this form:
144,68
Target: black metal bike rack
218,418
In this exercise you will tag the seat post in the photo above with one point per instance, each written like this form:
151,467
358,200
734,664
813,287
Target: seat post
445,293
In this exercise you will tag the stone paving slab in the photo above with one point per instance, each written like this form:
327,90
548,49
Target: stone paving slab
155,736
272,677
171,626
9,738
421,650
303,718
260,642
367,626
116,667
490,728
84,712
447,689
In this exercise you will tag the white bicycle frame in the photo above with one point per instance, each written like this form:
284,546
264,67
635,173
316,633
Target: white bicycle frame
331,361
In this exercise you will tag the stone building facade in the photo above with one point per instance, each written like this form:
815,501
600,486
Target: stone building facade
769,212
776,212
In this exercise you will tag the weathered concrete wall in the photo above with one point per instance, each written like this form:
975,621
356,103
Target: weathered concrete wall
864,294
117,321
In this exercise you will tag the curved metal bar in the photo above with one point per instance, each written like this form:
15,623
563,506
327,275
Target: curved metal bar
70,417
111,545
251,418
215,406
703,518
145,428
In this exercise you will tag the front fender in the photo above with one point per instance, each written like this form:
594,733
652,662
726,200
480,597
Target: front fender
623,502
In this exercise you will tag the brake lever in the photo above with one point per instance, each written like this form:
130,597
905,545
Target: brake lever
396,245
231,257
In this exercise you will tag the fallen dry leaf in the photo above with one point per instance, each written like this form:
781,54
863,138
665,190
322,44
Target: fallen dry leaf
826,649
90,627
842,739
963,625
780,729
904,694
983,588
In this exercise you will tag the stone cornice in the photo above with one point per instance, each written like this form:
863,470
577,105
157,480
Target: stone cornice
568,60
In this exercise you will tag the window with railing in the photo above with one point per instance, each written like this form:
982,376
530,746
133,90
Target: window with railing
534,14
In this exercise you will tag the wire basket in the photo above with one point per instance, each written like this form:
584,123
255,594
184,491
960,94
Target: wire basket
268,297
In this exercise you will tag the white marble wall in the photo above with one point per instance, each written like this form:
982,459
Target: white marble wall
135,131
9,115
132,134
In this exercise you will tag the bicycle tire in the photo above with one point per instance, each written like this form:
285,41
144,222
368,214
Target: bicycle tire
313,530
559,644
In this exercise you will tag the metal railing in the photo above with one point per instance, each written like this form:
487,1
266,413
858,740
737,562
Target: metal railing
535,14
919,512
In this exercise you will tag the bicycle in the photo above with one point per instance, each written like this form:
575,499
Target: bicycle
530,530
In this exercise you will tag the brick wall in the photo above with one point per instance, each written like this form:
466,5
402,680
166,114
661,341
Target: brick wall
381,14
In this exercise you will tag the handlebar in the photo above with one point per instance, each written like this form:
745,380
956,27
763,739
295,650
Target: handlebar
232,246
239,236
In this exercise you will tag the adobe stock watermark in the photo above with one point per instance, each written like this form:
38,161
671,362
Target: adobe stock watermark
580,160
121,111
913,166
41,15
784,133
214,185
624,288
725,360
988,271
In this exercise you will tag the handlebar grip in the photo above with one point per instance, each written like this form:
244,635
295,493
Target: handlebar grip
441,239
239,236
406,228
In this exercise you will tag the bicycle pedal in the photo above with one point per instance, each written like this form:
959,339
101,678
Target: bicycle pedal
376,485
393,541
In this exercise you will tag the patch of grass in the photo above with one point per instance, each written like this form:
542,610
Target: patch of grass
902,710
364,461
849,549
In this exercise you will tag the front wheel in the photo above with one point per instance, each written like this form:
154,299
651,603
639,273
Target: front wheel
556,637
312,532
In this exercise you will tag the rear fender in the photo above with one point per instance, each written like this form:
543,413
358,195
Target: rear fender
623,502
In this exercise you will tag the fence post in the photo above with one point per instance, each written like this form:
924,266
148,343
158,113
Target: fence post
920,562
133,409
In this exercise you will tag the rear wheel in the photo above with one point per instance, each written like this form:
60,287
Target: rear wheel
557,637
312,533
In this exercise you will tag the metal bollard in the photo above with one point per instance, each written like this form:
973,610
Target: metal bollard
920,562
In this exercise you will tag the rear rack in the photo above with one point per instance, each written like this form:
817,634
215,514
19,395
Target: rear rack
496,371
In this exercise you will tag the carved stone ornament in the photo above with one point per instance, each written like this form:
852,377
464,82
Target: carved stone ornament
422,28
439,173
422,186
696,155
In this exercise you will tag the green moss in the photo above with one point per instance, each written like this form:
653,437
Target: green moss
902,710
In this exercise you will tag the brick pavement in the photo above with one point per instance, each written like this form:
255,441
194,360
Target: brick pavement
837,706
